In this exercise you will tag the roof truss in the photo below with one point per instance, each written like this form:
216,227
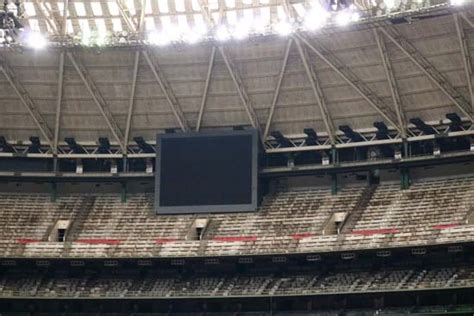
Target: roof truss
429,70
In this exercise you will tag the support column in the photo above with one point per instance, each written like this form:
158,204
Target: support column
334,155
124,192
333,183
404,178
54,191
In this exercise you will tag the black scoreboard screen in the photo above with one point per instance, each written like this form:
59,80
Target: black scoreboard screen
206,172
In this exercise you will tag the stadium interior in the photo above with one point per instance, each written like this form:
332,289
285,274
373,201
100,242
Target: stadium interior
236,157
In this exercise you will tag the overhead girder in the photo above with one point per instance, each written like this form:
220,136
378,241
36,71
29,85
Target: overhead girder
98,99
318,93
429,70
364,91
131,104
387,65
241,89
59,99
26,100
466,57
206,88
276,94
168,92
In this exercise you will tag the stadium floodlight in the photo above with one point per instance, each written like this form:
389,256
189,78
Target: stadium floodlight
36,40
422,126
315,18
312,136
5,147
350,133
343,18
73,145
242,30
284,28
104,145
35,145
355,17
282,140
143,145
222,33
158,38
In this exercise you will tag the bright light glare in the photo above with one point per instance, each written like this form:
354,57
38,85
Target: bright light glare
156,38
315,18
343,18
284,28
389,3
241,30
355,17
457,2
36,40
222,33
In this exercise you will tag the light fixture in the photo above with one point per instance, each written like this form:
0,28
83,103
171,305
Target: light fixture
36,40
355,17
241,30
343,18
315,18
457,2
157,38
284,28
222,33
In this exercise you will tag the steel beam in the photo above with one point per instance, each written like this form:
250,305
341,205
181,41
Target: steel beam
429,70
466,57
59,99
169,94
392,83
276,94
242,91
131,104
124,12
98,99
26,100
364,91
47,16
468,21
64,22
318,93
206,88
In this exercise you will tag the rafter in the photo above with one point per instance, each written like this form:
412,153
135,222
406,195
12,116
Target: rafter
47,16
64,21
429,70
364,91
387,65
59,99
466,56
206,88
468,21
169,94
276,94
131,104
318,93
98,99
127,18
26,100
242,90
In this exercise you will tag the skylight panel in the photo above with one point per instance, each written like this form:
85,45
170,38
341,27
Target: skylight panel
231,17
166,22
199,20
61,8
299,8
247,1
281,13
163,6
84,25
213,4
180,5
34,25
230,4
149,23
265,16
96,8
80,8
148,7
264,1
131,6
117,25
69,27
195,5
113,8
30,8
101,28
248,16
183,23
47,5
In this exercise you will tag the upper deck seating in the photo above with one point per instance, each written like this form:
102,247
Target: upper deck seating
432,211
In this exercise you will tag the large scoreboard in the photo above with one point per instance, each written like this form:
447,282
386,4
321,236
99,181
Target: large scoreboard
206,172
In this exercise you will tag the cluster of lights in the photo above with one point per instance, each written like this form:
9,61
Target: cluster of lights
315,18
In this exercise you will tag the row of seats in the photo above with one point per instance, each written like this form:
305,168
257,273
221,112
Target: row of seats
153,285
432,211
